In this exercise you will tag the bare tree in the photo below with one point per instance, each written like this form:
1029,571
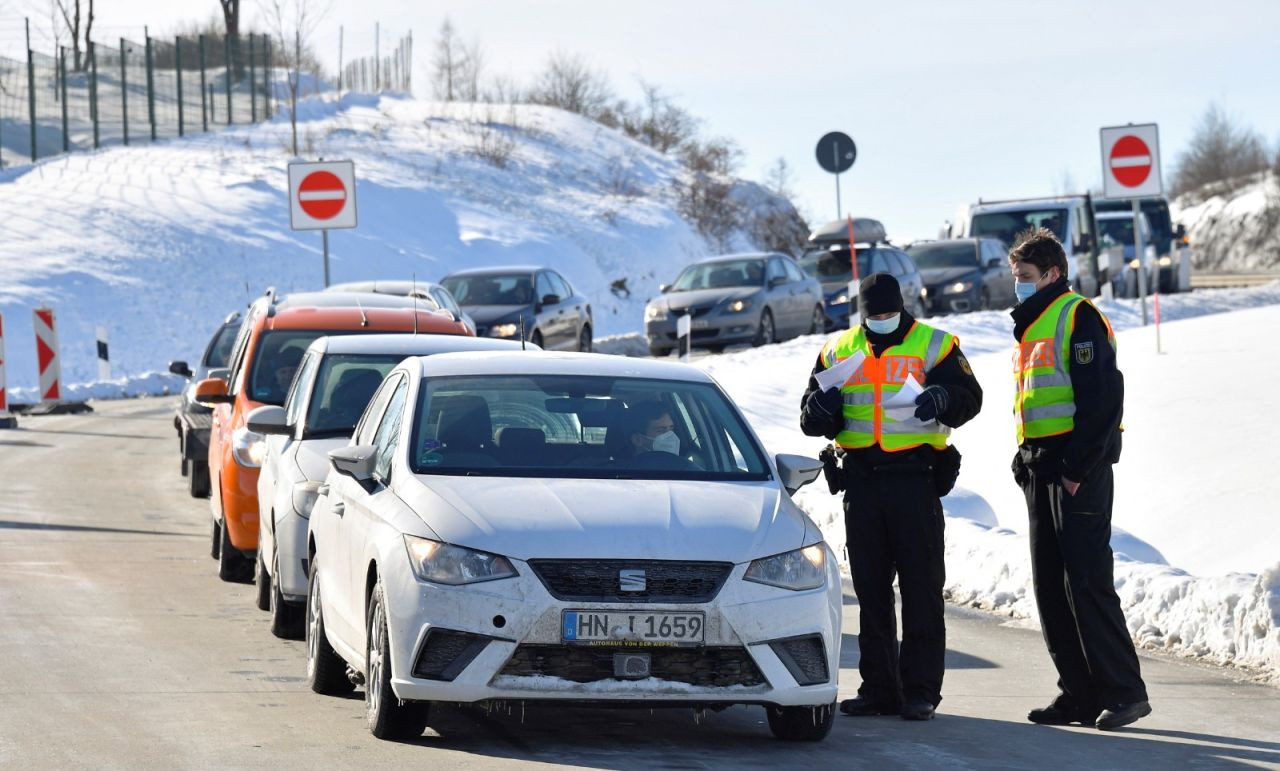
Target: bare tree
658,121
231,15
292,23
70,12
569,83
1221,151
778,178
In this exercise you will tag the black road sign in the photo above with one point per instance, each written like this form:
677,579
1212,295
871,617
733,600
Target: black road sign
836,152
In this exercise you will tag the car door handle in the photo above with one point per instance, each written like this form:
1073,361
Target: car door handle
339,508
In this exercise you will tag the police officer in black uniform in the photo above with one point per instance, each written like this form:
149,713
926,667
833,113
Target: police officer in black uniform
893,517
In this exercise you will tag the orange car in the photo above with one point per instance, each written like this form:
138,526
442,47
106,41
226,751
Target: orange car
267,350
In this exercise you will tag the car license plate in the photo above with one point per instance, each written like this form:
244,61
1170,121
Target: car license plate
701,324
629,627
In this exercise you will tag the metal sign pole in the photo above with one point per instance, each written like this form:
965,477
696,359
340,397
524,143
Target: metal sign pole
324,237
1137,256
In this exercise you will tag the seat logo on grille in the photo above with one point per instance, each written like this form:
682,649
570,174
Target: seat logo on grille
631,580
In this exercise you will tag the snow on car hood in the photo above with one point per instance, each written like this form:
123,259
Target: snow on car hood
619,519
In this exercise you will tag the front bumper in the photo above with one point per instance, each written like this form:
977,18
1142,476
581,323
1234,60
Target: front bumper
711,329
935,301
510,625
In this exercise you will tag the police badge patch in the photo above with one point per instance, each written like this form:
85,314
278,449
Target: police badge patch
1083,352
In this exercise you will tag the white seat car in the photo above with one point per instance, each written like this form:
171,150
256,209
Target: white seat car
334,381
567,527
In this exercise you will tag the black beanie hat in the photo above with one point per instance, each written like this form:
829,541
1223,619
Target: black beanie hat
879,293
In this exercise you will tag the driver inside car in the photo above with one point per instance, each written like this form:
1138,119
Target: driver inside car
652,429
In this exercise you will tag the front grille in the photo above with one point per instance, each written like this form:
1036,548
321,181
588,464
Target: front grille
446,653
598,580
717,667
804,657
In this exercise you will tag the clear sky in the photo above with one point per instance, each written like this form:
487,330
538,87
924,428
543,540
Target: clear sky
948,100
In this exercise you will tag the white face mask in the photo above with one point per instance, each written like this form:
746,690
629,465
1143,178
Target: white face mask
667,442
884,326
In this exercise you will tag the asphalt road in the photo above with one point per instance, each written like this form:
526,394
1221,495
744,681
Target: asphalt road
123,649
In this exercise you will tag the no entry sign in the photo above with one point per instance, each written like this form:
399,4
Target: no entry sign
1131,161
322,196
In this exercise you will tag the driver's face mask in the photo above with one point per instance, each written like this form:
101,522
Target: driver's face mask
667,442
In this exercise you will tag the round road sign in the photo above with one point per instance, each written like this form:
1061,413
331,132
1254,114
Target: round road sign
322,195
1130,161
836,152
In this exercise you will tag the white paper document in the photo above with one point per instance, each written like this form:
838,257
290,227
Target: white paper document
836,376
902,406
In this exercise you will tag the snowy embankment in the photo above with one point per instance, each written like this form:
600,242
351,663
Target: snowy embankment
1196,525
1235,232
159,242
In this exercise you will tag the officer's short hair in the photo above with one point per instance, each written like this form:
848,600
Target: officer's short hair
1039,247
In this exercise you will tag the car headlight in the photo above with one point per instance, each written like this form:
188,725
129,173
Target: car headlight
1134,263
504,330
443,563
795,570
249,448
958,287
655,312
840,299
1165,261
737,306
305,495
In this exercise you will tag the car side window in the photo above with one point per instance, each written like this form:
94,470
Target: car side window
561,285
444,300
897,265
542,286
294,405
793,272
369,421
879,262
388,432
237,359
774,269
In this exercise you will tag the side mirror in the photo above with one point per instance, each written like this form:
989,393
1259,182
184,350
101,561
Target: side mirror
797,471
664,288
268,420
995,262
213,390
550,299
355,461
777,281
180,368
1180,232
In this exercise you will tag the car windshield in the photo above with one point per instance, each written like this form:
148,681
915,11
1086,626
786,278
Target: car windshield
343,388
944,255
491,289
276,360
1006,225
220,351
720,275
581,427
1116,232
833,265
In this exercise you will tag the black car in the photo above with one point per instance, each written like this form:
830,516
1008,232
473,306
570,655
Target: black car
191,419
964,274
537,300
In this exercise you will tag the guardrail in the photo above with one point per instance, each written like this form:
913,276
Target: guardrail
1226,280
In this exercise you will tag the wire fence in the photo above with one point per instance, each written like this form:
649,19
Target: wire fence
125,91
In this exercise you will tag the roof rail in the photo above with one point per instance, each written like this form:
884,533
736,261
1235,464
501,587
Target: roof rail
982,202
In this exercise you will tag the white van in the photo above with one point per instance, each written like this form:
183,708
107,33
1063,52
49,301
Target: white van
1070,217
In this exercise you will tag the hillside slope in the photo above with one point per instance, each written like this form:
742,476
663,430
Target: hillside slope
1237,231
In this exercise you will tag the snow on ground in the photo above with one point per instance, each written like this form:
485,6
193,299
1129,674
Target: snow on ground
159,242
1196,525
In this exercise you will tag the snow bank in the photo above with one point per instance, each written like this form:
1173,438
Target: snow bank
146,384
1234,232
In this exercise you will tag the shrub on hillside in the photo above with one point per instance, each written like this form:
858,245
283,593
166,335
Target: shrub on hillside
1222,154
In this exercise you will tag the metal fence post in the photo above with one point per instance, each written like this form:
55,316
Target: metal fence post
204,105
226,40
31,99
151,90
124,93
177,63
62,76
253,85
266,74
93,91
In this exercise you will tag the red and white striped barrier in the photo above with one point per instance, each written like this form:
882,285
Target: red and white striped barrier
6,420
47,355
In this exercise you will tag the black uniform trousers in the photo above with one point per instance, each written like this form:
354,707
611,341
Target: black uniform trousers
893,520
1072,569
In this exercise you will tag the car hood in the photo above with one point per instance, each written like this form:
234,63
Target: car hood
313,455
608,519
487,314
678,301
933,276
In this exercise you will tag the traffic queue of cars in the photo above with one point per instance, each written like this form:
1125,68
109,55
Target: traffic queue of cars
446,517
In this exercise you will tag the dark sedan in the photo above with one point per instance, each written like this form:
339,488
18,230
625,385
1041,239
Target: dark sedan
503,302
964,274
831,266
191,419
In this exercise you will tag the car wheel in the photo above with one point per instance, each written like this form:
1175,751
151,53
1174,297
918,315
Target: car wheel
819,322
262,583
801,724
536,338
326,671
216,547
659,351
198,479
233,566
389,718
584,340
286,617
764,334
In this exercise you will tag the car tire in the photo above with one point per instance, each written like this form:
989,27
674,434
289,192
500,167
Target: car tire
765,333
819,322
198,479
326,670
216,547
584,339
801,724
287,620
659,351
388,716
262,584
233,567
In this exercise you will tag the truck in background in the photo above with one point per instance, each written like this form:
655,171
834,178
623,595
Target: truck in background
1172,250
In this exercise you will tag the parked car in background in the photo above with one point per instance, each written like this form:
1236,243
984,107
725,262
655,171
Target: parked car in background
827,260
755,298
1068,217
964,274
191,418
428,290
264,359
330,392
1169,240
636,544
1116,242
541,301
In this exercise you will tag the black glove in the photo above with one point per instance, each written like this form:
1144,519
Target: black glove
931,403
825,404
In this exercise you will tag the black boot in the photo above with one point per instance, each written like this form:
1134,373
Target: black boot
917,710
861,706
1121,715
1061,714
